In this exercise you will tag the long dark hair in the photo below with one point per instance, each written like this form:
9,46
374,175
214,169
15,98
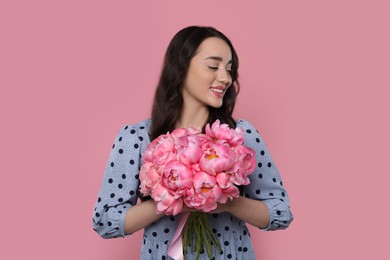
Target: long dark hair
168,100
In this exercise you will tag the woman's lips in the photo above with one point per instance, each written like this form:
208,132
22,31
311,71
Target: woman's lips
218,91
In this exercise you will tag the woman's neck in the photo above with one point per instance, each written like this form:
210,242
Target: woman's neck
193,117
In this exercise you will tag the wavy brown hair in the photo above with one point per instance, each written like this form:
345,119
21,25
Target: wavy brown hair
168,99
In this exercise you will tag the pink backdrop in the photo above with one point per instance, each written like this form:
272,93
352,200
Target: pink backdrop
315,82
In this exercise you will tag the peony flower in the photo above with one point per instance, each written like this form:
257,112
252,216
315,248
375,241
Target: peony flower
229,193
160,151
177,177
188,149
247,157
149,178
224,133
204,194
167,202
216,158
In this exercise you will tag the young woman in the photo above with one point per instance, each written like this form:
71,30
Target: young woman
198,85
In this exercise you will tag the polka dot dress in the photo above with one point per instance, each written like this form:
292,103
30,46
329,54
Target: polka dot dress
119,192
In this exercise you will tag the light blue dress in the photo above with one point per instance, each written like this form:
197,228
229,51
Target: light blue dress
119,192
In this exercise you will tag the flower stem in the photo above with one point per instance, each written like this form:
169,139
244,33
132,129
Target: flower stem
198,228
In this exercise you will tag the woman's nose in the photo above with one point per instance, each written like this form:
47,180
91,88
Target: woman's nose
224,77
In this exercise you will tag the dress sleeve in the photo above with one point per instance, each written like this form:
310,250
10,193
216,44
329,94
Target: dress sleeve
266,183
118,190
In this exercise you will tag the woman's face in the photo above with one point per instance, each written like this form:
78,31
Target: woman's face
208,76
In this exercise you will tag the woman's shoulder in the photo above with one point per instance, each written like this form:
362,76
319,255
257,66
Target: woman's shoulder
243,123
140,126
131,131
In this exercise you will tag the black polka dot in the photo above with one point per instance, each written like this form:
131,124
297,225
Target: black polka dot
136,176
112,164
273,179
229,256
99,199
123,176
120,138
262,152
97,214
120,200
245,232
163,257
269,164
271,194
110,180
120,151
120,186
131,192
278,212
142,127
132,131
259,165
112,195
150,251
281,183
260,175
172,218
258,140
109,223
257,192
140,138
154,234
214,230
101,224
239,249
226,243
113,146
136,146
283,194
245,249
166,230
166,242
227,228
132,162
248,131
126,127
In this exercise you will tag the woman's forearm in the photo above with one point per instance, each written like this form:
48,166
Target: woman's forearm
140,216
249,210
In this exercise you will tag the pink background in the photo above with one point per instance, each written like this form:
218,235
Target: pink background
315,81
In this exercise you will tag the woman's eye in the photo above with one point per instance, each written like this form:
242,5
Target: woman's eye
213,68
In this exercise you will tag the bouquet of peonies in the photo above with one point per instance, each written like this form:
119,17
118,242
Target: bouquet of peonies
198,170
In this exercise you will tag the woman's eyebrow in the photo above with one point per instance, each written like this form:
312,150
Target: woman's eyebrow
217,58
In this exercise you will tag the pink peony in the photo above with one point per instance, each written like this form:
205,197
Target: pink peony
222,132
188,149
216,158
149,178
204,194
160,151
177,176
247,157
167,202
